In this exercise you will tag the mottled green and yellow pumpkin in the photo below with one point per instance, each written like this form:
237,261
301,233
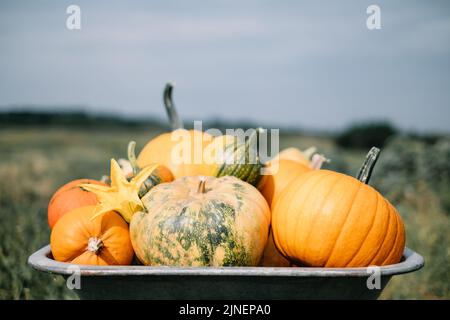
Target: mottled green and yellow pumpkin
328,219
201,221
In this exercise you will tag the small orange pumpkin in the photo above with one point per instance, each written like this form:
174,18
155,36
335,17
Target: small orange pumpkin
328,219
79,239
69,197
272,186
271,256
297,155
282,172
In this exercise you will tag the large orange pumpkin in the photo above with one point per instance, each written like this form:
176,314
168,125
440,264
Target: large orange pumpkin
79,239
69,197
328,219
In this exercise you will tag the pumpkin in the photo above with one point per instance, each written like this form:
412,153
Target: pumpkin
81,239
70,196
167,148
201,221
286,166
271,256
297,155
328,219
229,156
281,172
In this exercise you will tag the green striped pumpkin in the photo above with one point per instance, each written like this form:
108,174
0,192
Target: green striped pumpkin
236,158
201,221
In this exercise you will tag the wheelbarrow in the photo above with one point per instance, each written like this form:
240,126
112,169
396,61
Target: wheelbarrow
145,282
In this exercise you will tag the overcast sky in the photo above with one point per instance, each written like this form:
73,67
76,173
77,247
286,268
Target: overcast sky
311,64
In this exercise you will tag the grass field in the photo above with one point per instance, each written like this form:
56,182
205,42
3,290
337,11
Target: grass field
34,162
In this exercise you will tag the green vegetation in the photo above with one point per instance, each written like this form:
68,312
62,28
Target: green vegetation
415,176
366,135
35,161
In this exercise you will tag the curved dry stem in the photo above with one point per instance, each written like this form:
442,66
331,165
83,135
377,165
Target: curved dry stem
365,172
175,121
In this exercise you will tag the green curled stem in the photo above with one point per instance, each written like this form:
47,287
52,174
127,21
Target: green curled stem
175,121
365,172
132,157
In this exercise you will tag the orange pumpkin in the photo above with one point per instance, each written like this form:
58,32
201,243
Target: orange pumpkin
297,155
167,149
272,186
79,239
69,197
271,256
282,172
328,219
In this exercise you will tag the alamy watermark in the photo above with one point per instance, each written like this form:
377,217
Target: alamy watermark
201,147
73,21
373,21
74,279
374,279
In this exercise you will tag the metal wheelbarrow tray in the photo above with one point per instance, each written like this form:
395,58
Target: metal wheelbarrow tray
144,282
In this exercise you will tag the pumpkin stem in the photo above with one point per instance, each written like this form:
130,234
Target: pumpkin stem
309,153
202,185
132,157
105,179
367,167
94,245
317,161
175,121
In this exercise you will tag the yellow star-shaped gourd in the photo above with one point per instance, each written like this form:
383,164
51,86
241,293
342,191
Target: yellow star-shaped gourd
123,195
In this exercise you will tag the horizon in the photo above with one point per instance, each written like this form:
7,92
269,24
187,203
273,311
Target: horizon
208,123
